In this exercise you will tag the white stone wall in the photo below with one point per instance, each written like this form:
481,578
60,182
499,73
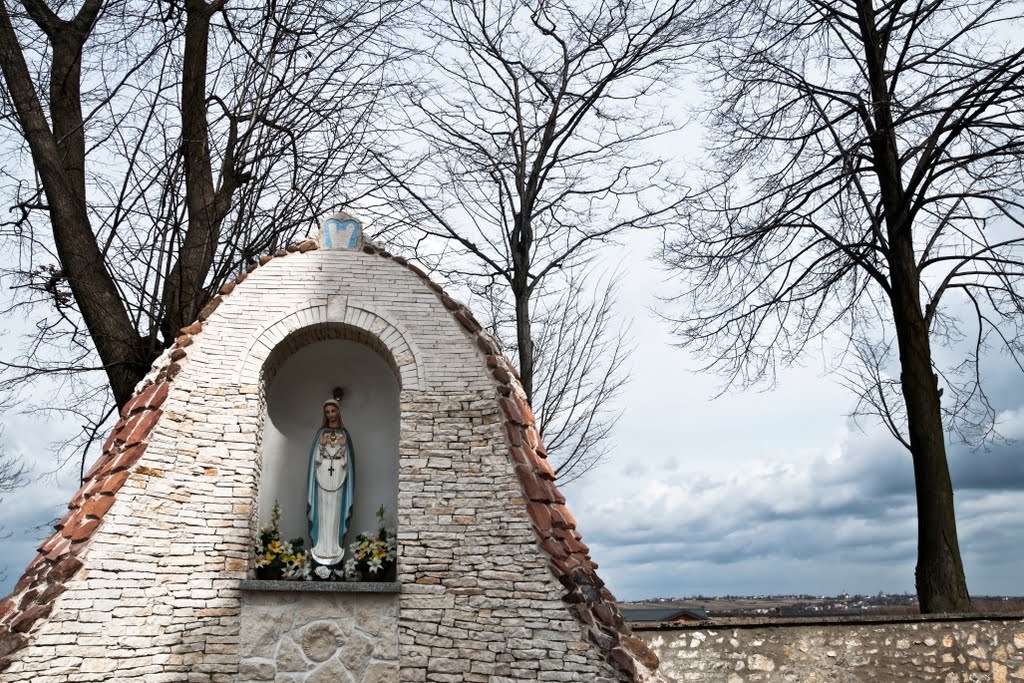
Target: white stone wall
158,599
478,601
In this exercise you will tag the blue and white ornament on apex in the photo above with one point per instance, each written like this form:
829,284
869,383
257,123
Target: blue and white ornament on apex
340,231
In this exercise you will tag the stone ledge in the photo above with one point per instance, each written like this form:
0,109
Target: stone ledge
321,586
851,620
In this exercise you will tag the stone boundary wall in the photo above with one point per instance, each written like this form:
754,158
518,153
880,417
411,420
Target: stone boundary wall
141,578
947,648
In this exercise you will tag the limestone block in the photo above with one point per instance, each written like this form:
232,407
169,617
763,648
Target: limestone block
760,663
320,640
387,646
260,633
381,673
249,670
289,656
374,612
356,654
334,607
330,671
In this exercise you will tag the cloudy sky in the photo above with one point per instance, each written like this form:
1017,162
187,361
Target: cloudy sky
778,491
751,493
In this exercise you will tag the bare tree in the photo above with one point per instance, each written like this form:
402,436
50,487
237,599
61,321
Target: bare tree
529,148
13,475
159,149
864,179
580,366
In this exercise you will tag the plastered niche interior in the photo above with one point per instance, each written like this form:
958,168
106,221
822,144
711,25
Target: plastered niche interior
298,384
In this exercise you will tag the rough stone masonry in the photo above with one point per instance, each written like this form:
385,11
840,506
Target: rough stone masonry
142,579
941,648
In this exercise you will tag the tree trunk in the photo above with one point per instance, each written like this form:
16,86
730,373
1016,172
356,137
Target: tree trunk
941,586
524,341
59,157
207,205
520,242
940,582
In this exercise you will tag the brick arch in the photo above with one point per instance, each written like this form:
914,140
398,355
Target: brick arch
336,317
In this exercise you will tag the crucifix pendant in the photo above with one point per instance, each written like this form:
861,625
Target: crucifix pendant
330,469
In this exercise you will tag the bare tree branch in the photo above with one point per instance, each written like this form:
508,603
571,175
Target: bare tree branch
865,166
172,148
526,155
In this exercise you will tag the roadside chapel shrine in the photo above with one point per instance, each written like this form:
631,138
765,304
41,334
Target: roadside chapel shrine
331,476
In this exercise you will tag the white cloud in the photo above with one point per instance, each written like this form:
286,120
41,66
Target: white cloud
842,517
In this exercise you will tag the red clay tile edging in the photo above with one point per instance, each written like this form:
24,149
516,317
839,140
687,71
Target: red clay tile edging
555,528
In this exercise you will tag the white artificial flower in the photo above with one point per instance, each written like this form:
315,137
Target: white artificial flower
375,565
322,571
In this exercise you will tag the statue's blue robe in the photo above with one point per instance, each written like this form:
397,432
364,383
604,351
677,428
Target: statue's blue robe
346,489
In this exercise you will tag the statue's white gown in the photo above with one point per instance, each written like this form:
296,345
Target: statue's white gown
330,494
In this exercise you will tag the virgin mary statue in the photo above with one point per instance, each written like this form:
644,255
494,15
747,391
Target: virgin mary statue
331,472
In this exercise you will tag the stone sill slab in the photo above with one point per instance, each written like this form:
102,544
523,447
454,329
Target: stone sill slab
321,586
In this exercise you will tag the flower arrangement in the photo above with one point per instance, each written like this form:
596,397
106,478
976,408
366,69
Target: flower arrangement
277,559
372,553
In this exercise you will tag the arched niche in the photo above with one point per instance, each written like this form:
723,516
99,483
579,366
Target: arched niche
298,376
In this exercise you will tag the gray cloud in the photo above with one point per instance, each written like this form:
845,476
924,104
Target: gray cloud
842,519
26,513
752,493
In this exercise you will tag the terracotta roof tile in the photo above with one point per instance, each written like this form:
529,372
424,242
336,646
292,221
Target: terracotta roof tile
554,526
